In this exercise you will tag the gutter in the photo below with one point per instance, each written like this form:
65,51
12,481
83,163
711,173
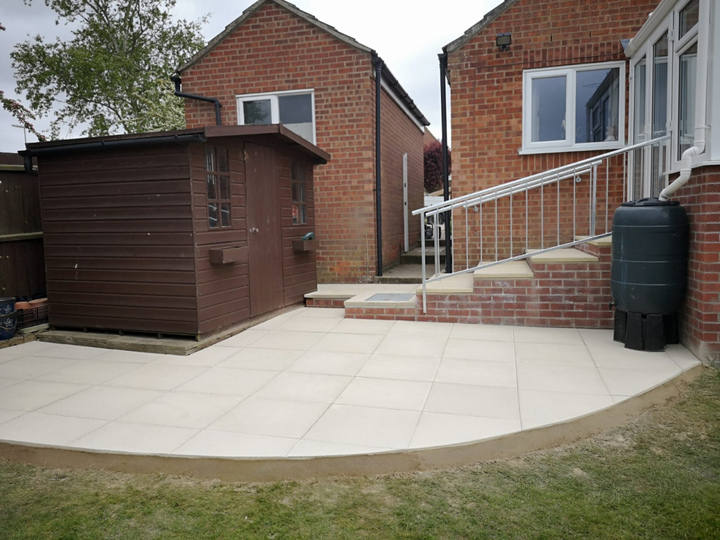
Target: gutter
178,81
378,64
700,108
29,153
446,178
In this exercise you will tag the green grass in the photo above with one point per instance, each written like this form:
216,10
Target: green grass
655,477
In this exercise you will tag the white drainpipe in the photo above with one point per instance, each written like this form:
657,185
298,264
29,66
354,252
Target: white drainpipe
700,106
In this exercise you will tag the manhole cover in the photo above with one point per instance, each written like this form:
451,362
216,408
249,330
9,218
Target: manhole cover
386,297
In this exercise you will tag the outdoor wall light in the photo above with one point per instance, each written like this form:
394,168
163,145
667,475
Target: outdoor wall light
503,41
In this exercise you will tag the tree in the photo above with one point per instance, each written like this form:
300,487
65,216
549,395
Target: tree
20,113
434,166
114,73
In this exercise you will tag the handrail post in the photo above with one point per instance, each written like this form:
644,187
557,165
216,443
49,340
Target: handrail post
446,173
422,264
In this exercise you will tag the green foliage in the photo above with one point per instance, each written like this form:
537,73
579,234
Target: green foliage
434,166
114,73
22,115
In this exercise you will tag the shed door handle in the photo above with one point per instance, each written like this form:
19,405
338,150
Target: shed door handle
254,230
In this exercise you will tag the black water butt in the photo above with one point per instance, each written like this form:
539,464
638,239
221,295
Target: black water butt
649,272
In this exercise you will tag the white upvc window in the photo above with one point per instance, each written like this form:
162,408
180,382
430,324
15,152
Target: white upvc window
663,73
294,109
574,108
686,58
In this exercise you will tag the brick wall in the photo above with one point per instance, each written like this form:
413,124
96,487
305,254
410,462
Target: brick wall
275,50
700,315
561,295
399,136
486,84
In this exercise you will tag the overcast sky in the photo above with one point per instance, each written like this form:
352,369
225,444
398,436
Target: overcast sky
407,34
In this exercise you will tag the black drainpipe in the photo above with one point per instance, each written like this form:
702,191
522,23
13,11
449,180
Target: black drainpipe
178,81
378,160
446,177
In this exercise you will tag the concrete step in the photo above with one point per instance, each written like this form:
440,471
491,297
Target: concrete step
414,256
562,256
402,273
506,270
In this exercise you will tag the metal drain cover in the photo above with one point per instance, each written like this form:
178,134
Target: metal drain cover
388,297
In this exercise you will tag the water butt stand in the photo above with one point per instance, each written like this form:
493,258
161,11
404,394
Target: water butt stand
649,272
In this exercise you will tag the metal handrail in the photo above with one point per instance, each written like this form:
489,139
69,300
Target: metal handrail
537,181
453,203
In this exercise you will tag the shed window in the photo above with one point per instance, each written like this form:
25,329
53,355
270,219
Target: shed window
217,165
573,108
299,202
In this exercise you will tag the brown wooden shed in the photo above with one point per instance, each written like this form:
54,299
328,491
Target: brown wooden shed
184,232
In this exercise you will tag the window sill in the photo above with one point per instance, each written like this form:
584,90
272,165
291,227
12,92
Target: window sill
614,145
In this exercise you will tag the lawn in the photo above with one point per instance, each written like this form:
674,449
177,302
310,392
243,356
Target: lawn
655,477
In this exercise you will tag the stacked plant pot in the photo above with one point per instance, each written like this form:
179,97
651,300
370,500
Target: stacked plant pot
8,318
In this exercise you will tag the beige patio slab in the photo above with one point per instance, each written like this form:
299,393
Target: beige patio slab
308,388
438,429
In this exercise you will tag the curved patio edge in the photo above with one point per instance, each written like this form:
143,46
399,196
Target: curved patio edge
275,469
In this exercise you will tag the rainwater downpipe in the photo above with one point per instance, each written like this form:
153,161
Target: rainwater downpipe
446,176
378,160
700,108
178,81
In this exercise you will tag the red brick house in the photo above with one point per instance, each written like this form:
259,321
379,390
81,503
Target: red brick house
539,84
276,63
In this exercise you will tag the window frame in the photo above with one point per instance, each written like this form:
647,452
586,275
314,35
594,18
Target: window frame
299,180
676,48
569,144
275,105
218,200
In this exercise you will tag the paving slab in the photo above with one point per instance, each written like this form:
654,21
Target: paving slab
299,399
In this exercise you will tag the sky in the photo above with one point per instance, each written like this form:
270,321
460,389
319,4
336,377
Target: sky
407,34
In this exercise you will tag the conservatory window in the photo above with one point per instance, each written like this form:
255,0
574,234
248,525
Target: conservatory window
686,99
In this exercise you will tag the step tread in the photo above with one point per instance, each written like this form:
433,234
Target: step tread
507,270
567,255
369,299
604,241
460,284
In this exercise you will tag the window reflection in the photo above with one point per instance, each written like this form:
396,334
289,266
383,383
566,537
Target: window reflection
686,104
218,187
597,105
548,109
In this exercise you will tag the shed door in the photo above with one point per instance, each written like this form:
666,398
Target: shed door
264,229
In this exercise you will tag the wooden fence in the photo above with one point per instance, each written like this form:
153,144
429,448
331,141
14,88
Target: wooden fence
22,264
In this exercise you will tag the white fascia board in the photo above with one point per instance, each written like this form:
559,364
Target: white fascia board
402,106
655,18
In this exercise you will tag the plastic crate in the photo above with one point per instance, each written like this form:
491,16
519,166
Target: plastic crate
32,316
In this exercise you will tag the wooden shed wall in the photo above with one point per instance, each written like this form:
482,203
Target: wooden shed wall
119,239
224,291
299,268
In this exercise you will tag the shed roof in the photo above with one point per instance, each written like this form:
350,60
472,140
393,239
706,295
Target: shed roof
274,131
474,30
387,76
